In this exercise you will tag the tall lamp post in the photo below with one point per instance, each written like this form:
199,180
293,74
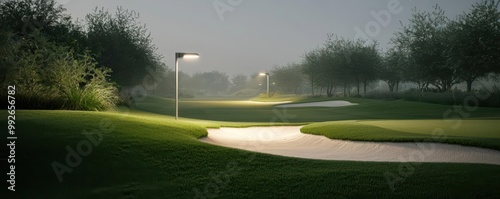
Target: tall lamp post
180,56
267,75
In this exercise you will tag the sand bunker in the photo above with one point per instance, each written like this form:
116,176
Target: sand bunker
337,103
270,103
289,141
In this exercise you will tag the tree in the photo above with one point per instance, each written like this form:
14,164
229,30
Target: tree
123,44
336,64
7,54
162,82
288,78
213,82
475,42
350,62
364,61
426,41
25,17
309,66
239,82
392,68
340,63
318,68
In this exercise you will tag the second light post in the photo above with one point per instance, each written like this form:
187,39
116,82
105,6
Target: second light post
267,75
177,56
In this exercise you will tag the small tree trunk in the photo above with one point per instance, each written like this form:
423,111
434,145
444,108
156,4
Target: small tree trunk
391,87
364,87
357,86
469,85
345,87
329,90
312,87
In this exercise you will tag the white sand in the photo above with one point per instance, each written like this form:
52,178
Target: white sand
336,103
271,103
289,141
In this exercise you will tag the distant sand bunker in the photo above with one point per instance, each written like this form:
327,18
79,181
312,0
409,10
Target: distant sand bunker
270,103
289,141
336,103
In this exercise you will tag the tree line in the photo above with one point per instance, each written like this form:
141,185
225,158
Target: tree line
432,51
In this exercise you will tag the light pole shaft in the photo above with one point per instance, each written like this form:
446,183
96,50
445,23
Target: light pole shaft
267,85
176,88
177,56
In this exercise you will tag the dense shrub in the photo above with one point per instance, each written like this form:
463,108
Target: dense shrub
53,77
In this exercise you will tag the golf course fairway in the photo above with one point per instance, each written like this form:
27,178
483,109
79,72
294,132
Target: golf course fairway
147,155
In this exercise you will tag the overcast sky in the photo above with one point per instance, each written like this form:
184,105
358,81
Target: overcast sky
250,36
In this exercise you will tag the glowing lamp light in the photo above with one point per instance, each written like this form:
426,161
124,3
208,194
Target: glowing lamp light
190,56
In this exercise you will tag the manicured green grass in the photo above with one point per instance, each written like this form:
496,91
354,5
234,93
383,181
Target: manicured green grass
247,111
482,133
152,156
279,98
201,122
445,98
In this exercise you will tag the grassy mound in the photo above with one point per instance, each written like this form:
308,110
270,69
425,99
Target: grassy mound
481,133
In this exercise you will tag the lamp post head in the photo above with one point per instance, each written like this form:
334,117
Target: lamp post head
264,74
187,55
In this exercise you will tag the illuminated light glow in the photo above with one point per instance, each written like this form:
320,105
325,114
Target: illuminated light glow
190,56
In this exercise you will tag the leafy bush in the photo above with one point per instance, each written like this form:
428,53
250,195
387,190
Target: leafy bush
91,97
53,77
